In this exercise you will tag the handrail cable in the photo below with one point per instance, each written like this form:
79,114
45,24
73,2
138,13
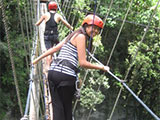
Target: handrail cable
110,6
71,14
34,44
124,84
68,8
26,24
107,14
11,56
32,14
48,107
46,96
61,10
114,76
32,69
113,109
94,50
72,31
84,79
115,43
22,31
118,96
132,94
67,4
118,19
29,18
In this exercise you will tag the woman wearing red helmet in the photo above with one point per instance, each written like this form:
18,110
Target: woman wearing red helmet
52,18
63,71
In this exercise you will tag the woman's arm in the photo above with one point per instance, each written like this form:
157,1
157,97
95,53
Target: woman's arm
81,47
49,52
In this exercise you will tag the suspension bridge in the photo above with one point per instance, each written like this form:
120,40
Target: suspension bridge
38,104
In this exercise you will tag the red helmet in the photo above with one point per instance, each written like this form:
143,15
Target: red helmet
52,6
93,20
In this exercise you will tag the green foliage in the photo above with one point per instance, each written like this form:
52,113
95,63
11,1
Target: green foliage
143,78
63,32
89,94
90,98
9,101
145,75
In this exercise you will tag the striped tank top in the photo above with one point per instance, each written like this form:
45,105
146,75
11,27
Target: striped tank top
68,52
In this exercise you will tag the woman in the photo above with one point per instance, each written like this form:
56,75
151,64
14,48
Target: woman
63,71
51,18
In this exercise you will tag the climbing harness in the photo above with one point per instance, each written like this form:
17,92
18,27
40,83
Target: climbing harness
64,62
123,82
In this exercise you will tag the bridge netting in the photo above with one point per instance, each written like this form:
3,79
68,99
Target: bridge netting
38,104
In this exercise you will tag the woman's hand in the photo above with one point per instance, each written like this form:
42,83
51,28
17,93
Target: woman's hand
105,68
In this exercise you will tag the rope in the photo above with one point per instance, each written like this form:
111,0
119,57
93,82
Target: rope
115,104
121,27
60,9
138,99
48,114
119,32
90,46
29,17
31,79
117,19
27,28
110,6
94,13
111,3
11,56
22,31
113,109
84,79
68,9
61,26
32,13
32,75
65,8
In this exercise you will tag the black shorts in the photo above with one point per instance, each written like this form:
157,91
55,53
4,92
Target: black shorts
50,40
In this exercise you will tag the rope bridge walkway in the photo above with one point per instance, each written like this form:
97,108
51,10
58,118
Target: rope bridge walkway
38,104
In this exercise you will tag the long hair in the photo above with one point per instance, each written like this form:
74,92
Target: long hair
82,30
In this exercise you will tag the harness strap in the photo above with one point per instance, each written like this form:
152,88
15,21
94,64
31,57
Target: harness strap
50,32
64,62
